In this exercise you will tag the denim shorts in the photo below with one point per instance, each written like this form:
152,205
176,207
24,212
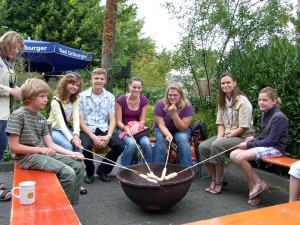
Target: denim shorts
266,152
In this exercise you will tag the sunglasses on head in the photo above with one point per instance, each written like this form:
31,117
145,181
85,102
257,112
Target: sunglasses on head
74,75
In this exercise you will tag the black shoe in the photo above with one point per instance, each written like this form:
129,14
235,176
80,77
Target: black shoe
224,183
89,179
103,176
83,191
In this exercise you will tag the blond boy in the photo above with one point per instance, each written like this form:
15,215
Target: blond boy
29,138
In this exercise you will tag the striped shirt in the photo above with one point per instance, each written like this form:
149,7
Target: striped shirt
96,110
30,126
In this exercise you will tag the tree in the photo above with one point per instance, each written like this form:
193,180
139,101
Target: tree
153,67
68,22
212,27
131,44
79,24
108,39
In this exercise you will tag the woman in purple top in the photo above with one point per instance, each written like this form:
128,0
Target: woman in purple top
173,116
272,144
133,107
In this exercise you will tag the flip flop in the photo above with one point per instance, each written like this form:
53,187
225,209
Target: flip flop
2,186
2,196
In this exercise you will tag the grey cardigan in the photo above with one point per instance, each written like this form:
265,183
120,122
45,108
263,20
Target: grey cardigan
4,91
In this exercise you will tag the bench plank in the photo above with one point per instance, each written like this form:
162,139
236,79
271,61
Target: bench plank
280,161
288,214
51,203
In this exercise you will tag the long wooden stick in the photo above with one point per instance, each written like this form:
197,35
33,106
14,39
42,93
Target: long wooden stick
120,166
95,160
230,149
169,148
103,157
164,171
141,153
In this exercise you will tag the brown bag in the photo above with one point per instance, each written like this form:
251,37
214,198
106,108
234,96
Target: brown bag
144,132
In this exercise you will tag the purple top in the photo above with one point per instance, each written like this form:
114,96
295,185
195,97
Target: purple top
131,115
160,112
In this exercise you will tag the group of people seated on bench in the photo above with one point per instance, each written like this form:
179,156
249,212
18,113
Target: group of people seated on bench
82,120
235,130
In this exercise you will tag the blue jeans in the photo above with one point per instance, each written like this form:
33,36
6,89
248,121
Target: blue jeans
181,139
60,139
131,148
3,138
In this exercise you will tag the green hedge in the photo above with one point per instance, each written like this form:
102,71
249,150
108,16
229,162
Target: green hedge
276,65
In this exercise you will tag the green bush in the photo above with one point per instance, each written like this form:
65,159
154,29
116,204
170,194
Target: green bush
117,92
209,117
7,156
154,94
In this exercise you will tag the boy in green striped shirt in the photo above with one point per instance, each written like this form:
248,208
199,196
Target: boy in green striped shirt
30,139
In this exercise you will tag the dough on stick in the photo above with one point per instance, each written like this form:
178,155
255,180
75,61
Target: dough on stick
152,180
143,176
163,174
153,176
170,176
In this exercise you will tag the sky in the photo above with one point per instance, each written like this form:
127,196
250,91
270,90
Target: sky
158,23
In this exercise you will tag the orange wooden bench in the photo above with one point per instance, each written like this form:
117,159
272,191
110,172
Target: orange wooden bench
152,139
283,161
280,161
51,205
288,213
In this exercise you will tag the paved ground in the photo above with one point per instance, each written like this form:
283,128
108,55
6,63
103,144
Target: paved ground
106,203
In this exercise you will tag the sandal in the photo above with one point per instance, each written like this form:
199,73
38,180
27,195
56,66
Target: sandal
208,189
254,201
213,192
224,183
3,197
258,188
2,186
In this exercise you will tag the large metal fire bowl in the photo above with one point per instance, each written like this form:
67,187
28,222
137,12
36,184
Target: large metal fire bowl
151,196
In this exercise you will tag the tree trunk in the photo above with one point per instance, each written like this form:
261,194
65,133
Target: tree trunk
108,40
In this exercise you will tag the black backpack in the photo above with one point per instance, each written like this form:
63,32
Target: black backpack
199,133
